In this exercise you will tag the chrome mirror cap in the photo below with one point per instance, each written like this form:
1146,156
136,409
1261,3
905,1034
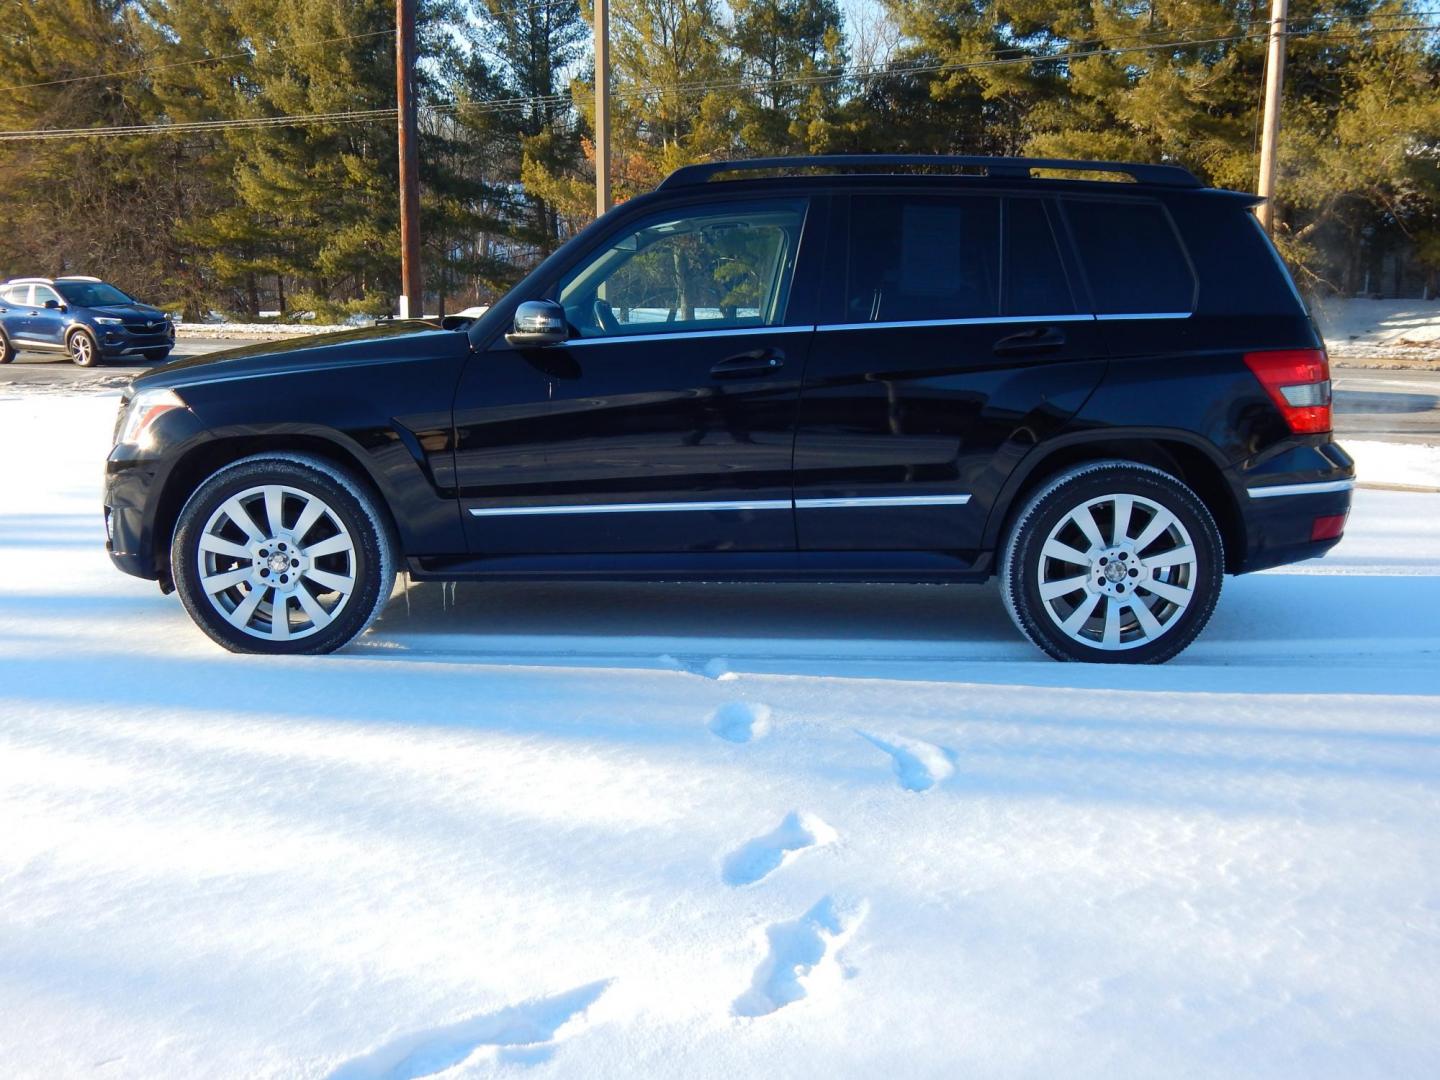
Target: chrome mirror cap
537,323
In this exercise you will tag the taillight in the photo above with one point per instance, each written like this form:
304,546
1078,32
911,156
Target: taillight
1298,382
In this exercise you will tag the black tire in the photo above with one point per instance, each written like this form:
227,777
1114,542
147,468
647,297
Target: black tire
7,351
351,518
1070,619
83,349
157,356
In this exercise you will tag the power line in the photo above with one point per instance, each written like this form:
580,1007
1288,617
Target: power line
889,71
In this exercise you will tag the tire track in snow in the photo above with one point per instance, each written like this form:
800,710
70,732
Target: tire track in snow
757,859
520,1033
919,765
802,954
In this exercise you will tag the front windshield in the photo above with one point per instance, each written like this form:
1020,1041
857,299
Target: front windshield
91,293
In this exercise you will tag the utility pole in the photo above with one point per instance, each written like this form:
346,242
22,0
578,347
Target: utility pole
602,107
1270,130
412,281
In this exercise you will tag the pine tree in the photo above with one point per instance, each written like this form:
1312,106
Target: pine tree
792,54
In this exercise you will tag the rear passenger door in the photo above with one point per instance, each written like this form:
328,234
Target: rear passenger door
46,324
15,311
953,343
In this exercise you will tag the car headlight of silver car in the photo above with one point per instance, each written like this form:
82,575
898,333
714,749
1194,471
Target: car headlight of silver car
144,409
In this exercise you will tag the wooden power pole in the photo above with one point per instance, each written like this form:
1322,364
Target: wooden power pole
1270,129
412,281
602,107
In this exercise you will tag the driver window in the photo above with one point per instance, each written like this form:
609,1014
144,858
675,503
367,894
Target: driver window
713,268
43,295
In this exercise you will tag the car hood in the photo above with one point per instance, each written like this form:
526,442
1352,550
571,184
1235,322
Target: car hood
119,311
389,342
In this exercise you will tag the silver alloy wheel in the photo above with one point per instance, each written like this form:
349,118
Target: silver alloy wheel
277,562
1117,572
82,349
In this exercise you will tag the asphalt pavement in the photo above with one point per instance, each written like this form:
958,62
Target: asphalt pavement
1391,406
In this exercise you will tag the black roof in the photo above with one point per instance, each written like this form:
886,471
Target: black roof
1173,176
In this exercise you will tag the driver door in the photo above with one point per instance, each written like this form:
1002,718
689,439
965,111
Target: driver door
667,420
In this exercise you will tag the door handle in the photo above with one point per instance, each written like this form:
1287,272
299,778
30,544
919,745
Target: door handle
749,364
1039,339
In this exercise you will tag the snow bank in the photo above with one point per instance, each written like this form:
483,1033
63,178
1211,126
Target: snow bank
1379,322
265,330
511,833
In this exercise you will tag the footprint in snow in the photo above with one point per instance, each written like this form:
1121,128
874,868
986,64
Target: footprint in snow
519,1034
918,764
761,857
801,954
740,722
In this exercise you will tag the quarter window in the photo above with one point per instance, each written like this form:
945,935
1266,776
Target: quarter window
1132,258
17,294
917,258
713,268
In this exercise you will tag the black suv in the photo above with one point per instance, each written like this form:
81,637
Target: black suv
841,369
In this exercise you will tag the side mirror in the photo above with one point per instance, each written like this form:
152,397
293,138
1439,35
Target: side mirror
54,305
538,323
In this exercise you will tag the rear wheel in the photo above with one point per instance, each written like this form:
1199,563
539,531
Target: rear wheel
83,350
1113,562
7,351
282,554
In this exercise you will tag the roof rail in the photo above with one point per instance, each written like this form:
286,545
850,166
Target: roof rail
1010,168
31,281
77,277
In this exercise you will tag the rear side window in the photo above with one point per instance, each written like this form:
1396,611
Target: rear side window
1132,258
17,294
1034,280
921,257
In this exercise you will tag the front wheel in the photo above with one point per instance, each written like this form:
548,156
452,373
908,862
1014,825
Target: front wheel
282,553
83,349
1113,562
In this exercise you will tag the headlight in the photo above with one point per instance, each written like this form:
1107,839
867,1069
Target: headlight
105,320
144,409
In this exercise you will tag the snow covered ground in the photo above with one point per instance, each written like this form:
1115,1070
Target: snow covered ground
1403,333
710,832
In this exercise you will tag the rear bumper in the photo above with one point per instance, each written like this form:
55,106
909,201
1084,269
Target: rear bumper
1285,500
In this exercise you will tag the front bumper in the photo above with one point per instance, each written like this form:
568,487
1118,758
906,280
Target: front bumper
128,528
117,341
136,515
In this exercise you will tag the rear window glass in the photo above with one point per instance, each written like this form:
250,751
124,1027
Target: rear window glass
1132,258
919,257
1034,278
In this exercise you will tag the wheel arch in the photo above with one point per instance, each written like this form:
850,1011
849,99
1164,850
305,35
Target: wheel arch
1187,459
206,458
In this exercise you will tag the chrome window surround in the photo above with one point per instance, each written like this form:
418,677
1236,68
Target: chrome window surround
997,320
